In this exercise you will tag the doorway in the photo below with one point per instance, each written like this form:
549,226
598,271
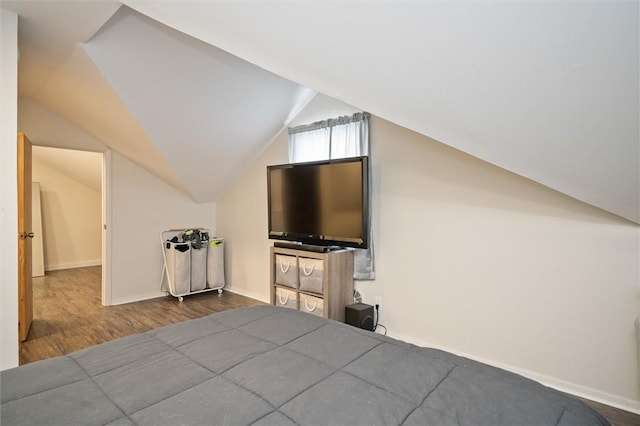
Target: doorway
71,199
73,212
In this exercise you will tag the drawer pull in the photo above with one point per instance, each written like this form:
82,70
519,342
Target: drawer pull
306,305
304,269
283,268
286,299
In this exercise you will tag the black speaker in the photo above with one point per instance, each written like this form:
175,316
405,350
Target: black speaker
359,315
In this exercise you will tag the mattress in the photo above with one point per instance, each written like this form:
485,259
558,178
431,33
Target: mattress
267,365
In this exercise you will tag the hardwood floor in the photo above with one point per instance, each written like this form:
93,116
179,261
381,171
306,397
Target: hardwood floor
615,416
68,316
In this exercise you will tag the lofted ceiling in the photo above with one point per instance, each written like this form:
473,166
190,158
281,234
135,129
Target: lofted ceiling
209,113
87,169
548,90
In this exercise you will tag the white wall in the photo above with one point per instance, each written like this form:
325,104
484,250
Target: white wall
9,193
242,220
142,206
71,217
477,260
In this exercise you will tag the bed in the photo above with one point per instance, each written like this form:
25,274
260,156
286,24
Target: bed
266,365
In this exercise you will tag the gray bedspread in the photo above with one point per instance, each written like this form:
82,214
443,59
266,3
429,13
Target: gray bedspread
273,366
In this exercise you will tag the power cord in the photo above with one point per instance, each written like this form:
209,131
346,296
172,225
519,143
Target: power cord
377,319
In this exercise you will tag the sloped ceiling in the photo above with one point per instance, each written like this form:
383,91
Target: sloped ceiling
208,112
548,90
46,128
81,94
186,111
87,166
57,78
48,32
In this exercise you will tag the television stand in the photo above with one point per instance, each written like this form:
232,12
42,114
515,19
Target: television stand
306,247
312,282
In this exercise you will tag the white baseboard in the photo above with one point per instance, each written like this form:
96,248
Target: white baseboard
154,295
248,294
138,298
558,384
71,265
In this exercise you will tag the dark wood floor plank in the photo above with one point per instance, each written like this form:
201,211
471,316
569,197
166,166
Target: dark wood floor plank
68,316
615,416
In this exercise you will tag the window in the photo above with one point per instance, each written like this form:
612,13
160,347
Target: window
341,137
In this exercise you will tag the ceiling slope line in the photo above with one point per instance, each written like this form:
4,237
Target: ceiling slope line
206,111
548,91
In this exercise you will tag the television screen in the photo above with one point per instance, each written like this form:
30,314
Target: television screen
320,203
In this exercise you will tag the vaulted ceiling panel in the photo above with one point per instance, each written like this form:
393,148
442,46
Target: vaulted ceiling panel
79,93
87,166
59,83
549,90
48,32
208,112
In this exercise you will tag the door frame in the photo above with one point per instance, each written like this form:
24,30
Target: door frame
106,298
106,228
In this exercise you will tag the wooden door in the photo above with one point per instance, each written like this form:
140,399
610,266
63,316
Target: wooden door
25,235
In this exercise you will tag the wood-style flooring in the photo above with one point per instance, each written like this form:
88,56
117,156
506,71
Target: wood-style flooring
68,316
615,416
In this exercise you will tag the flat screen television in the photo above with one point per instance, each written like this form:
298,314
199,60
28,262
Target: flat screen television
323,203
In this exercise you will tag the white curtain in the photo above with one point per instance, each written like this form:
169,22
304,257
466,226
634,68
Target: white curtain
311,145
341,137
350,139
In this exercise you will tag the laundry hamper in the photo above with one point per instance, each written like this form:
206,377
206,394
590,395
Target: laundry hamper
178,266
186,269
215,264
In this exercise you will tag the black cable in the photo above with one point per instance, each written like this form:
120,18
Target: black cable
375,327
377,314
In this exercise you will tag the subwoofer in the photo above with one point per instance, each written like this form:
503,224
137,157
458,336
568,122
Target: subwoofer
359,315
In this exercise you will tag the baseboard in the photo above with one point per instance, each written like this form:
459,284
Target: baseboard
558,384
574,388
248,294
154,295
72,265
138,298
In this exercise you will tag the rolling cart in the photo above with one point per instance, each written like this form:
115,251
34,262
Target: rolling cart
193,262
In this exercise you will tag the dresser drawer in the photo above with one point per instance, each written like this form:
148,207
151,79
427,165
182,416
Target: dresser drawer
311,305
311,275
318,283
286,268
286,298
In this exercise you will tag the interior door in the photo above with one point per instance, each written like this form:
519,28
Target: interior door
25,235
